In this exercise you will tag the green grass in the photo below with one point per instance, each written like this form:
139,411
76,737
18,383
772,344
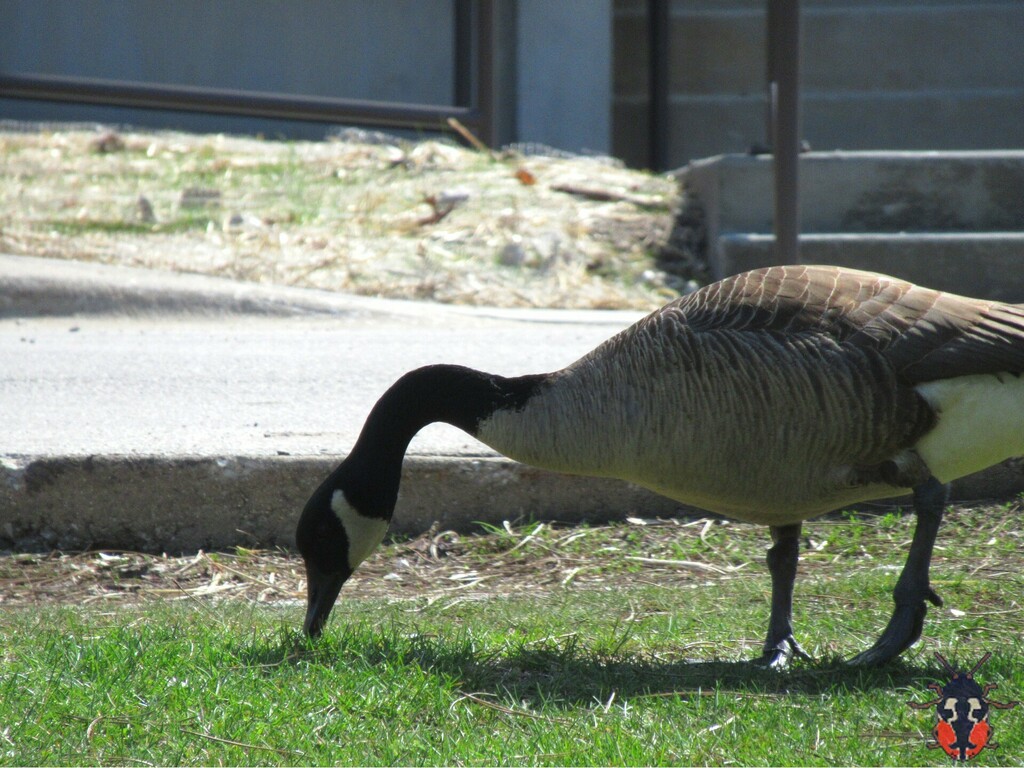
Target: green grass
77,227
625,671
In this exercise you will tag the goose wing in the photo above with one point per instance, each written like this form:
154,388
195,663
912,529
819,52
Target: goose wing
925,334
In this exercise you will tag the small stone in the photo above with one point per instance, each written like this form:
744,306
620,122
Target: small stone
145,210
452,197
237,221
199,197
108,142
652,277
512,255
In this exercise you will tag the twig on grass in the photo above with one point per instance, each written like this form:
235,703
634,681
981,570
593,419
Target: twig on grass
242,744
467,134
505,710
440,208
534,757
92,728
122,759
608,195
248,578
189,594
689,565
528,538
708,694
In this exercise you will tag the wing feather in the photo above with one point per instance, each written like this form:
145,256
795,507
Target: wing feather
925,334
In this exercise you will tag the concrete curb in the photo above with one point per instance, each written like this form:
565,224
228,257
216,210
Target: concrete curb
182,504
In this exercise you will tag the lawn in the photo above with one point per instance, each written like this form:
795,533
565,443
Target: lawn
617,644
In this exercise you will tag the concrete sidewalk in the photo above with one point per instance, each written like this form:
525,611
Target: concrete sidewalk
166,412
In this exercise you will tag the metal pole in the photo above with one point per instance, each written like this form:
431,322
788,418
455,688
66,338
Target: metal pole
484,97
784,123
658,22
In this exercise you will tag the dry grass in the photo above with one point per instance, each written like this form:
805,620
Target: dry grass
427,220
437,565
534,559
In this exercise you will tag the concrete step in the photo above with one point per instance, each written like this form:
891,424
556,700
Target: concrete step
880,191
952,220
976,264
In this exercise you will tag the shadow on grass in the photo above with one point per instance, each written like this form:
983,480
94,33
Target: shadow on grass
570,674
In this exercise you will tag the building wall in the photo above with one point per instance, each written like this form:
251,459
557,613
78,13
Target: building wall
556,58
912,74
398,50
565,73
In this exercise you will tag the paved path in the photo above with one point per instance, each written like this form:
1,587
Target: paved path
248,386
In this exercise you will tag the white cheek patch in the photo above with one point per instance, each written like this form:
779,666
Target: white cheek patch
364,533
981,422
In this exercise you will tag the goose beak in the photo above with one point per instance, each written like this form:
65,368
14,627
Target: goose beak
322,590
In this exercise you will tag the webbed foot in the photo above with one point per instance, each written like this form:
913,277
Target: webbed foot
778,655
903,631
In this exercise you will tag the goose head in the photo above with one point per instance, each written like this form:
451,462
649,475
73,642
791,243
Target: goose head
347,516
338,529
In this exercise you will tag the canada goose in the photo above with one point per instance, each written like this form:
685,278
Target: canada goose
770,397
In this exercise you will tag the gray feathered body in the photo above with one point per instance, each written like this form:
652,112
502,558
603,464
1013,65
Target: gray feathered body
776,395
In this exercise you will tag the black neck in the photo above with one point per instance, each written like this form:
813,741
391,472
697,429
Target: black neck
452,394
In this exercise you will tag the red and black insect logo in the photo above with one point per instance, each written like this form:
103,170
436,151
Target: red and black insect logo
963,729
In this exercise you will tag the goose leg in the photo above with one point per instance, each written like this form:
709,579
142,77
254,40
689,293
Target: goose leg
780,646
912,588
